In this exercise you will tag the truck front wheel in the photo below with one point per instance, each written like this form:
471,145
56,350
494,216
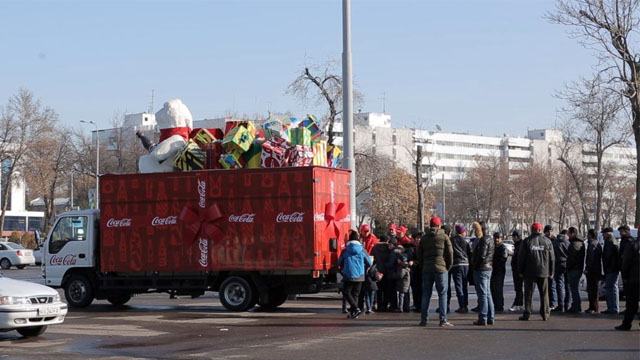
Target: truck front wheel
78,291
237,294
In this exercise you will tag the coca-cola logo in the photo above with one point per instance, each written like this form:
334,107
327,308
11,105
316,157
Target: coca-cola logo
295,217
69,259
202,192
118,222
160,221
244,218
318,217
203,245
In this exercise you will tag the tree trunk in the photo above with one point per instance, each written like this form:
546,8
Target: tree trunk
635,108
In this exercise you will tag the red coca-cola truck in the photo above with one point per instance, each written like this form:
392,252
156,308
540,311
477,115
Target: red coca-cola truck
253,235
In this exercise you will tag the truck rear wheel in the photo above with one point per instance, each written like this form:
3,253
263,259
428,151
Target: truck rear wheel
237,294
118,300
277,297
78,291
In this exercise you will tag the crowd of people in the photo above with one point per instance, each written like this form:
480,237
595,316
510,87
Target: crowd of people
395,271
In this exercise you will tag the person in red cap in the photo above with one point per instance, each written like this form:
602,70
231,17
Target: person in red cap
391,232
368,239
401,235
536,264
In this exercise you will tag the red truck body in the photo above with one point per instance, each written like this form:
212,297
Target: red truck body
224,220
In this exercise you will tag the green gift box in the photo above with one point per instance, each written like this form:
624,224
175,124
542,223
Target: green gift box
192,157
238,140
300,136
252,157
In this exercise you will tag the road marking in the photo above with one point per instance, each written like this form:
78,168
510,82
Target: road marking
200,320
105,330
21,343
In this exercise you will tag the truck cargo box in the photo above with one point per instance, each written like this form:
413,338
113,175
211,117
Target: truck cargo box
219,220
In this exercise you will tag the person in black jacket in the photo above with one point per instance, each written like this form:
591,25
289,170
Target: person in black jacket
482,262
416,273
593,270
630,270
370,287
460,268
518,283
611,269
553,298
499,266
625,238
575,267
560,250
535,265
380,253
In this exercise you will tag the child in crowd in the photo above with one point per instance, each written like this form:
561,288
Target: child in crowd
371,287
403,280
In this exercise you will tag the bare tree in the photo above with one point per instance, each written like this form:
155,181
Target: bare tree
596,124
611,28
372,169
392,199
321,85
50,160
25,119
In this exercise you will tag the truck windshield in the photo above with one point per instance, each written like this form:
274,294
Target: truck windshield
71,228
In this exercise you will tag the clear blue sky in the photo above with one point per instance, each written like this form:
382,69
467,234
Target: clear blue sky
487,67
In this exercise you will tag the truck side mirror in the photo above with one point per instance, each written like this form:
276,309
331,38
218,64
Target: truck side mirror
36,235
333,244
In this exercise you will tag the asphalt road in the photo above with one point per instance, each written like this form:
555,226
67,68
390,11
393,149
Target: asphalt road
312,327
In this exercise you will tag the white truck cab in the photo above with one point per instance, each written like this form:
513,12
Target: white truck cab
70,245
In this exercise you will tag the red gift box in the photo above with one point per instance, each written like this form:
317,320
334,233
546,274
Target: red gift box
301,155
213,152
275,153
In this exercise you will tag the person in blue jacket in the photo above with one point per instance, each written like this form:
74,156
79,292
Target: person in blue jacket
352,263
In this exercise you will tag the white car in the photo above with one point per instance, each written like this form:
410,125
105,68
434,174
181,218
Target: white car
12,254
29,308
510,245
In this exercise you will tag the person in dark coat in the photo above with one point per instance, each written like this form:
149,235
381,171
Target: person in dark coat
460,268
499,266
518,282
553,298
575,267
593,270
352,262
611,268
482,265
390,270
630,270
380,254
535,265
560,250
625,238
416,272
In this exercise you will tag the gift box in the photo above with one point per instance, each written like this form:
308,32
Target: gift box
191,157
290,122
300,136
275,153
230,125
213,151
203,137
311,124
275,128
232,160
253,156
301,155
319,153
333,155
217,133
238,140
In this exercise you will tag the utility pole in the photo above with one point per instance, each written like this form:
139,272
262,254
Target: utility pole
348,161
444,197
419,186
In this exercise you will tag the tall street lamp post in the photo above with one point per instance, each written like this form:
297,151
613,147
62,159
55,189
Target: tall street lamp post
348,160
97,161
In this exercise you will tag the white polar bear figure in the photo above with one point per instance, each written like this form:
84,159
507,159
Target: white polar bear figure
175,123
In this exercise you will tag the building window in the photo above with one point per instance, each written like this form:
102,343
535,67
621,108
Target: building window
34,223
15,223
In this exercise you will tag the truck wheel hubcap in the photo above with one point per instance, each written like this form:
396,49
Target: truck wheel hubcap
77,290
235,294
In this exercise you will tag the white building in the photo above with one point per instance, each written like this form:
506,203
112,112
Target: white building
17,217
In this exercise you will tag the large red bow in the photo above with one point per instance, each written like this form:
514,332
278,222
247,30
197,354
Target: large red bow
201,222
333,214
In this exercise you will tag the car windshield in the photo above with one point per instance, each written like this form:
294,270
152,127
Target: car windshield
14,246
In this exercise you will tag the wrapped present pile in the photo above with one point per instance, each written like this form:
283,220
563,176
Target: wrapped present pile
279,143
